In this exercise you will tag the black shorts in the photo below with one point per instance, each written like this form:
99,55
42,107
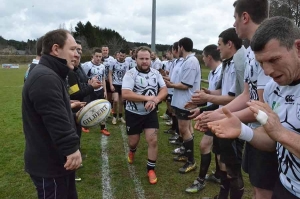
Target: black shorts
118,89
182,114
280,192
261,166
107,86
135,124
230,150
209,133
169,98
97,95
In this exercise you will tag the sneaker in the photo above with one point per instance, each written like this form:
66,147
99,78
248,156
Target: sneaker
170,131
105,132
114,120
77,179
174,137
212,178
165,117
122,120
180,158
195,187
169,123
130,157
188,167
152,177
85,130
178,151
175,142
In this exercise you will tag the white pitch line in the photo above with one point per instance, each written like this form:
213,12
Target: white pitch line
107,190
138,185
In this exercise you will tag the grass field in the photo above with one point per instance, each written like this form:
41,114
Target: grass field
106,173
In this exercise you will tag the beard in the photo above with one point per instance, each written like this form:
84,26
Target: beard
143,68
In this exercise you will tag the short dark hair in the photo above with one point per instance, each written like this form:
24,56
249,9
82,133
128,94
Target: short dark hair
78,41
280,28
164,56
104,46
142,48
39,46
186,43
122,51
170,48
97,50
230,35
175,46
58,37
257,9
213,51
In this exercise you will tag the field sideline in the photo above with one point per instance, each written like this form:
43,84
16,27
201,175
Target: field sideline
105,172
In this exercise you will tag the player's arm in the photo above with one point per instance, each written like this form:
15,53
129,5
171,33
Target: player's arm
218,99
110,79
187,80
163,91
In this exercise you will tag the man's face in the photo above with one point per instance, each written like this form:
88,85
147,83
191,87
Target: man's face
169,55
205,59
97,58
278,62
69,52
180,52
240,27
105,51
122,57
143,60
133,54
223,48
175,53
153,56
79,49
117,55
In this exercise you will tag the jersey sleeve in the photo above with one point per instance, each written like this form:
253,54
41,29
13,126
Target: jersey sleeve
86,67
189,74
161,81
262,79
128,80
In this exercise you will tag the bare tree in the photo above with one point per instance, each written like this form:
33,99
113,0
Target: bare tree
116,44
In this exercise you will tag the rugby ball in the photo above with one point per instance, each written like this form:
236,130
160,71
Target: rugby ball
94,113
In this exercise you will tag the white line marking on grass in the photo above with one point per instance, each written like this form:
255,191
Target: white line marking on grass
107,191
138,185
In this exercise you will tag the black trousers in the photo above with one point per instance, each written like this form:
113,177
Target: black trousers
56,188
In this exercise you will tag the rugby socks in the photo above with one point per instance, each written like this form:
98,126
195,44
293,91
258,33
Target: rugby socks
204,165
174,123
168,113
236,182
132,150
102,126
151,164
120,115
225,186
217,173
189,149
115,115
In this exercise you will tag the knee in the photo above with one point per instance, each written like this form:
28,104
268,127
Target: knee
152,142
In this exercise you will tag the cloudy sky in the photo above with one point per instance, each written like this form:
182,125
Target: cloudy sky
201,20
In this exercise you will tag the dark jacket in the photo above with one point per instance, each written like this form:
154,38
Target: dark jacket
76,88
48,122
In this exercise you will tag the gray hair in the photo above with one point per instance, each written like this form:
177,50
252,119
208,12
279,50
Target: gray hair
280,28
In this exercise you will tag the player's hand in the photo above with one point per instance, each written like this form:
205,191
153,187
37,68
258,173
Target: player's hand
105,95
199,97
112,88
190,106
195,112
210,116
73,161
168,84
77,104
206,90
273,127
150,106
229,127
166,78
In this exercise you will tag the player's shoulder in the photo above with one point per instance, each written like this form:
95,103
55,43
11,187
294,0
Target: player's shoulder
154,71
132,72
270,86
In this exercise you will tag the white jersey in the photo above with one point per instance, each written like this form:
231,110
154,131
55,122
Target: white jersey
118,71
189,75
156,64
142,83
92,70
171,65
213,79
228,79
255,77
131,62
285,101
164,64
107,62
